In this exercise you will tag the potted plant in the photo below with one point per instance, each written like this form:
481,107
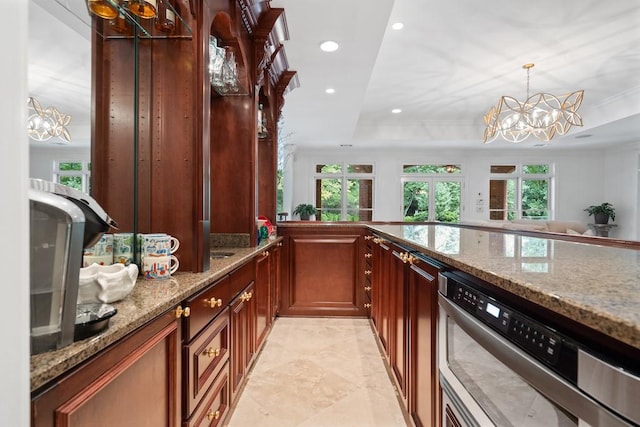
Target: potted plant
305,210
601,213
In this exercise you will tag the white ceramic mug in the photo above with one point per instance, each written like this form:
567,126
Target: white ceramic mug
123,248
88,260
159,267
155,244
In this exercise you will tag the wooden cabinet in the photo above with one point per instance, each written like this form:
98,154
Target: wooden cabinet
242,338
262,297
423,313
398,318
321,275
404,314
135,382
276,259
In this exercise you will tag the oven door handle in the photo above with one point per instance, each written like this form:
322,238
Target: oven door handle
547,382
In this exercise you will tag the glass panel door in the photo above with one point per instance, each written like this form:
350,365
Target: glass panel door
432,199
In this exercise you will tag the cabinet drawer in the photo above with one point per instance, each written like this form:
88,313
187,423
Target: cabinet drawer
241,278
215,404
204,359
205,306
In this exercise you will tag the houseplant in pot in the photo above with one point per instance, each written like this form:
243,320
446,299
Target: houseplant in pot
601,213
305,210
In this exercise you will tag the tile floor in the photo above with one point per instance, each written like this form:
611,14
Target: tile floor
319,372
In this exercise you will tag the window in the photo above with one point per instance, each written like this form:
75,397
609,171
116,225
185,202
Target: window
431,193
74,174
520,191
344,192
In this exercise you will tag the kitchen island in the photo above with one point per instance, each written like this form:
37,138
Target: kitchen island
595,285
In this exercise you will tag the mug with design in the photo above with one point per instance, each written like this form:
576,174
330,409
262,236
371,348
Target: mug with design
102,248
123,248
156,244
159,267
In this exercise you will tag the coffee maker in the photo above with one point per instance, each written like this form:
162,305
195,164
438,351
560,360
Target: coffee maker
63,221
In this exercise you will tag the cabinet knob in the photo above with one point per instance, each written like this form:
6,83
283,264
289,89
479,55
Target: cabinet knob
368,237
265,253
186,312
368,255
367,272
377,240
367,288
211,352
367,305
213,303
246,296
213,415
411,259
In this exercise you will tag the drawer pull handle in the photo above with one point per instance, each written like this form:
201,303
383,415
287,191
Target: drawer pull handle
186,312
246,296
211,352
213,303
265,253
368,237
367,288
368,255
367,272
367,305
211,415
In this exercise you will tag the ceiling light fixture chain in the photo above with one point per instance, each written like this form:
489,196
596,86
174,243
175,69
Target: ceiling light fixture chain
542,115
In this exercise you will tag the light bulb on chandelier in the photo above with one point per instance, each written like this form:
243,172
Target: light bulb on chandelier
542,115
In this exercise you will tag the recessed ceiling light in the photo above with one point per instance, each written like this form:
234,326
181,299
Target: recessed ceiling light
329,46
586,135
346,145
397,26
396,111
330,90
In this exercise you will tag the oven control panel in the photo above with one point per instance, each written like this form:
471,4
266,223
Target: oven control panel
530,335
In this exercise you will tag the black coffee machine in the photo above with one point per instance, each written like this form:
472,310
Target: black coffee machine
63,221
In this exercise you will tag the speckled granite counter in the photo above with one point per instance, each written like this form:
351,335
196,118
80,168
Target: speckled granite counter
597,286
148,300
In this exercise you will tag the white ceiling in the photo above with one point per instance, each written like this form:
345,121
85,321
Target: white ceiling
445,69
451,62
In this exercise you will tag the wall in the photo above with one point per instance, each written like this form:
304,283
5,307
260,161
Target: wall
41,158
582,179
14,331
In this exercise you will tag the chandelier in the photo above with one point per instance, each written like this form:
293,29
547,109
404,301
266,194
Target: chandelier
46,123
542,115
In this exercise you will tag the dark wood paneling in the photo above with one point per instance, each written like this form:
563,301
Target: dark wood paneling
135,382
322,275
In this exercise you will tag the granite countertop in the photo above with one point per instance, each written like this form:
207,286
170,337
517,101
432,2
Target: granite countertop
148,300
597,286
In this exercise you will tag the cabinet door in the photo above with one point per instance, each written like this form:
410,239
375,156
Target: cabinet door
275,279
262,296
382,294
134,383
322,273
399,319
242,338
423,305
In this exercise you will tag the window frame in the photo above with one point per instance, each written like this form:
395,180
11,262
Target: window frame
344,176
519,176
84,173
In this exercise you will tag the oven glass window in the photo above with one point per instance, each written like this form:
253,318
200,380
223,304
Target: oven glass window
502,394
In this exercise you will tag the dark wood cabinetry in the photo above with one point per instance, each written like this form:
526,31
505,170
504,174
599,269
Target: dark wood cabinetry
135,382
404,315
242,338
321,275
423,399
262,296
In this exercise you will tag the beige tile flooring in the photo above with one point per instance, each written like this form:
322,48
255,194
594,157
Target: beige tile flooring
319,372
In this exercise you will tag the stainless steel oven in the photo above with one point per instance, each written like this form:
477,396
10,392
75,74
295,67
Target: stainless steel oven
501,367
